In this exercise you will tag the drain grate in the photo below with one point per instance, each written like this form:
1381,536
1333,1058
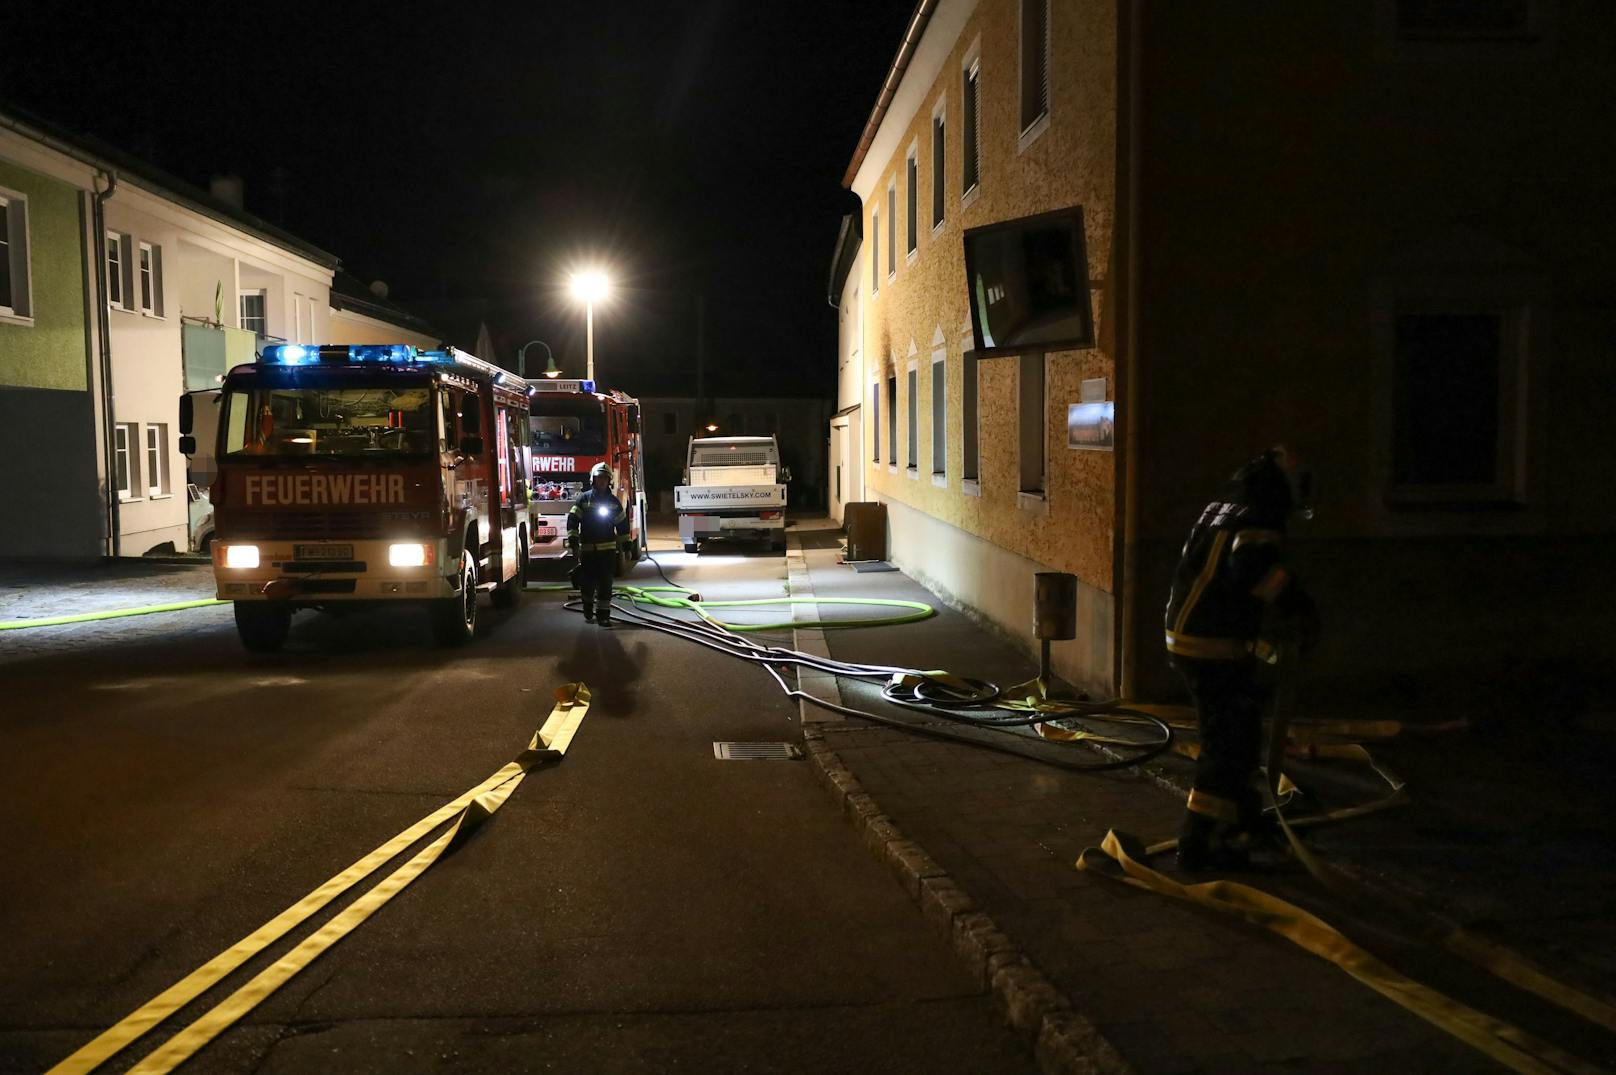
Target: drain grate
757,751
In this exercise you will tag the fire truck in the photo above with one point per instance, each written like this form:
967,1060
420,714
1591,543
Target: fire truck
353,475
573,428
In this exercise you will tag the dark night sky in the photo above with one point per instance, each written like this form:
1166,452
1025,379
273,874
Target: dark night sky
469,156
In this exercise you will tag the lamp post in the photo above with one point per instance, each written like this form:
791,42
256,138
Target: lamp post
588,287
550,369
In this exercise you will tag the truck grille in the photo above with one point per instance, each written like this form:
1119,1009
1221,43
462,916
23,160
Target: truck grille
315,525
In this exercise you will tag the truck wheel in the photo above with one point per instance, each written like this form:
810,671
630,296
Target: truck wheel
508,595
693,547
263,625
454,619
778,544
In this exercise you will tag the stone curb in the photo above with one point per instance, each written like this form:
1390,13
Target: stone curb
1064,1041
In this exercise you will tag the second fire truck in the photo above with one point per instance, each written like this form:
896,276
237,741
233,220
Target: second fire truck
574,426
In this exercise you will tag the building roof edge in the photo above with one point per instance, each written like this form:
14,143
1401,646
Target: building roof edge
889,87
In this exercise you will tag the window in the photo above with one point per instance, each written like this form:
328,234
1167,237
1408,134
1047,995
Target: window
970,151
448,423
892,229
875,421
969,457
875,251
911,196
313,331
123,438
1456,393
255,312
892,420
156,459
670,423
913,388
151,279
939,412
937,169
1031,415
1034,63
117,266
297,319
15,290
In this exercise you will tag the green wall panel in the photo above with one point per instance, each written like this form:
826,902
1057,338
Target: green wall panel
50,353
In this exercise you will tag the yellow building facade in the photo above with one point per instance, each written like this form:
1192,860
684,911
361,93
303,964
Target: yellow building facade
979,537
1344,227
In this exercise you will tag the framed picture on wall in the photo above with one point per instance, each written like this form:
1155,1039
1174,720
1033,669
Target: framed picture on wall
1091,426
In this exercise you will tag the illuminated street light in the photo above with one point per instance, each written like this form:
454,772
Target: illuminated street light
589,288
550,370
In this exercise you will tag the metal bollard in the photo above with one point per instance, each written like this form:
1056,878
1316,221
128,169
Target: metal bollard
1054,612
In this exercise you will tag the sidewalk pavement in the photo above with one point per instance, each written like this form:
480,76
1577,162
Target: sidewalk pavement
31,590
1509,835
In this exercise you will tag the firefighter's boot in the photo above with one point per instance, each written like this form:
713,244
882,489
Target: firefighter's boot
589,613
1203,845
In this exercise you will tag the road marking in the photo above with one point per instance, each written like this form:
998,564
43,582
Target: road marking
465,813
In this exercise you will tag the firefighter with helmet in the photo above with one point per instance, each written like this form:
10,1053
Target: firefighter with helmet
596,526
1232,598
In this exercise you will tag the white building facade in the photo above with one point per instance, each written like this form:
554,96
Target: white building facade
176,280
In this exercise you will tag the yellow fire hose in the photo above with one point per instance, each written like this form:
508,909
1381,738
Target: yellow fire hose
1121,857
108,614
462,814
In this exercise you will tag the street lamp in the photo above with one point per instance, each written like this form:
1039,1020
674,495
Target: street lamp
550,370
588,288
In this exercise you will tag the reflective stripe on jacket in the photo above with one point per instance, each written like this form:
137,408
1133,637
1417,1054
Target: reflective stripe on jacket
594,527
1226,574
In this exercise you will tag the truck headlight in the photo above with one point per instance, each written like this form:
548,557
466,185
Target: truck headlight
244,556
411,555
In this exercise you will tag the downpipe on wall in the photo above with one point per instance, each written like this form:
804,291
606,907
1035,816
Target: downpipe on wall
103,323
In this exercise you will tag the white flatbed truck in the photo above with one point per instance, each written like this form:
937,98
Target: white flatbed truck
734,489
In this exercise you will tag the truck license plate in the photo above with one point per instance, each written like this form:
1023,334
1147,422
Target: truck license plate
322,552
545,531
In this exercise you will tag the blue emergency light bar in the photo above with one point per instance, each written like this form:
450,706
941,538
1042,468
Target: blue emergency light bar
393,354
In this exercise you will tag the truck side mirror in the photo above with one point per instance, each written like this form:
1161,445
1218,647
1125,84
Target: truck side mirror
186,416
785,474
633,419
471,445
187,445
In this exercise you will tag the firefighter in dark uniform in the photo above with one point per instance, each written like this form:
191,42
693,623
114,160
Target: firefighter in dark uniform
596,526
1232,599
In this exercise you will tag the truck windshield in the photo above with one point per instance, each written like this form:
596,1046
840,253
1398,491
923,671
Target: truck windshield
398,419
568,426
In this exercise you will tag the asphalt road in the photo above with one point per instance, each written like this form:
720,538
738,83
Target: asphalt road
640,906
